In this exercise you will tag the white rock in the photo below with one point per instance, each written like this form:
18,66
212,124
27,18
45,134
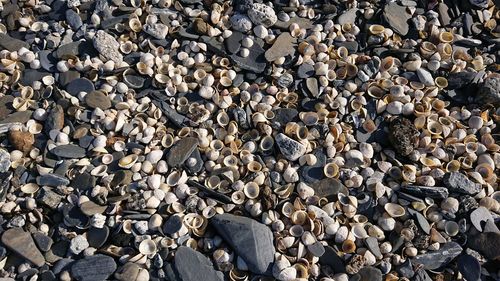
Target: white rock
78,244
262,14
304,190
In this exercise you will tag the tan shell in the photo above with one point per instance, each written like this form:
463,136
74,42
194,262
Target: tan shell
128,161
30,188
331,170
394,210
299,217
376,29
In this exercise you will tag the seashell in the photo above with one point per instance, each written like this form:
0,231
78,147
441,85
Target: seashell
299,217
331,170
135,24
128,161
107,159
99,171
490,203
377,232
147,247
394,210
387,63
435,128
441,82
251,190
237,275
266,143
309,118
376,29
254,166
238,197
30,188
451,228
296,230
386,222
176,178
348,246
446,37
358,230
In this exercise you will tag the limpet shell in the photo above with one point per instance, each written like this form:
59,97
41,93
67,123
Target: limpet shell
299,217
394,210
348,246
331,170
147,247
251,190
30,188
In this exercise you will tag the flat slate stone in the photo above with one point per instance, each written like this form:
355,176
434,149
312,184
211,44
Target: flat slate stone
370,273
282,47
251,240
97,236
458,182
90,208
53,180
21,242
255,61
68,151
397,17
181,151
98,99
11,44
191,265
436,259
20,116
93,268
233,42
43,241
486,244
435,192
328,187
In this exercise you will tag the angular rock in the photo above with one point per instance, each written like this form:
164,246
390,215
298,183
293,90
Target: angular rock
93,268
22,141
397,17
348,16
421,275
283,46
68,151
290,148
436,259
11,44
85,181
21,242
262,14
107,46
181,151
486,244
53,180
6,106
4,161
55,119
20,116
284,115
251,240
406,269
460,183
98,99
186,260
403,135
489,92
435,192
329,188
425,76
131,272
73,49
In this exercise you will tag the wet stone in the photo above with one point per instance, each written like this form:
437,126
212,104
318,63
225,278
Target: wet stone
68,151
21,242
436,259
251,240
97,99
93,268
458,182
181,151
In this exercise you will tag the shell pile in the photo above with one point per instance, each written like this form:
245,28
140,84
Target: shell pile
247,140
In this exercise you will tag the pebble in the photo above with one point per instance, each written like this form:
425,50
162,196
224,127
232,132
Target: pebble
251,240
290,148
425,76
55,119
370,273
403,135
329,188
21,242
43,241
233,42
348,17
469,267
373,246
11,44
68,151
80,85
48,197
262,14
93,268
489,92
78,244
90,208
305,70
312,86
131,272
486,243
73,19
97,237
53,180
436,259
97,99
172,225
4,161
458,182
21,140
241,22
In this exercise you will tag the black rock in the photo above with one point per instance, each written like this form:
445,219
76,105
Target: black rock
489,92
251,240
435,192
181,151
68,151
84,181
460,183
93,268
97,236
11,44
52,180
436,259
285,115
469,267
233,42
255,61
370,273
331,259
190,265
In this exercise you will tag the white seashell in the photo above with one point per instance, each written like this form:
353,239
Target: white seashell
147,247
394,210
358,230
290,175
369,258
341,234
386,223
251,190
154,181
154,156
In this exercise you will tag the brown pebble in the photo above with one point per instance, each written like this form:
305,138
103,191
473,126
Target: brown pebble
21,140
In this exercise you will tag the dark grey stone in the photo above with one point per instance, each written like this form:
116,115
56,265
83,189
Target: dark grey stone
97,99
21,242
370,273
372,245
68,151
97,236
305,70
489,92
254,62
436,259
93,268
487,244
316,249
66,77
435,192
421,220
31,75
80,85
469,267
460,183
48,197
406,269
43,241
11,44
52,180
73,19
285,115
233,42
172,225
331,259
251,240
84,181
190,265
421,275
397,17
20,116
47,60
181,151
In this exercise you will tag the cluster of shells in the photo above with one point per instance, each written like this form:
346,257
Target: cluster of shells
245,163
